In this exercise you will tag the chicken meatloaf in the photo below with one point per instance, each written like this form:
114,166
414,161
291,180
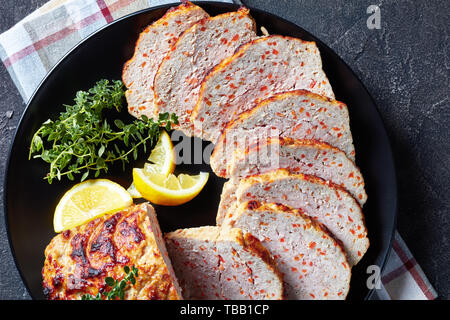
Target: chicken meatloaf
196,51
297,114
312,262
300,156
258,70
323,201
223,263
77,261
151,48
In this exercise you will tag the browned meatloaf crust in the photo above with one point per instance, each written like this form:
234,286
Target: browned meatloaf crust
77,261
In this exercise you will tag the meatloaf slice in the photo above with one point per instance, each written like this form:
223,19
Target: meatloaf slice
301,156
228,203
312,262
258,70
298,115
77,261
323,201
151,47
223,263
196,51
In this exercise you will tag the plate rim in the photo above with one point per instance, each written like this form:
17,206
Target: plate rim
371,292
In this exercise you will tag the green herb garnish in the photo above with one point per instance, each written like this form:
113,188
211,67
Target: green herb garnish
82,141
117,287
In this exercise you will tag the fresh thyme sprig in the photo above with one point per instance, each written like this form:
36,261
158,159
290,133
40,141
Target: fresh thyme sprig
82,141
117,287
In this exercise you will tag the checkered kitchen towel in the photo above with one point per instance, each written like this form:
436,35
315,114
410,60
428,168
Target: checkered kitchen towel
31,48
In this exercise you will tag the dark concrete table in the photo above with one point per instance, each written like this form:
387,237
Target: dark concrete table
405,65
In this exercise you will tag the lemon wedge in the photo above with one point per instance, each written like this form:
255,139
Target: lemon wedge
162,160
162,157
88,200
168,190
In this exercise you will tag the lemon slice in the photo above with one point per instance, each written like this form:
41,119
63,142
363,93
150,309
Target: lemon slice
162,157
88,200
168,190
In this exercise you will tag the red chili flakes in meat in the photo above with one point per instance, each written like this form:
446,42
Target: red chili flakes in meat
263,88
235,38
312,245
224,40
294,115
207,101
275,52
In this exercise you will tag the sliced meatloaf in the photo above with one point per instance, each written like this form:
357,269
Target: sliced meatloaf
223,263
258,70
298,115
323,201
151,47
301,156
196,51
77,261
312,262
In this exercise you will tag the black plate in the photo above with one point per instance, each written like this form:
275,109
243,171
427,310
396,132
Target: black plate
30,201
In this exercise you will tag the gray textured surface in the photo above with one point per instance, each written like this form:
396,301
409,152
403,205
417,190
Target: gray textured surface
405,66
